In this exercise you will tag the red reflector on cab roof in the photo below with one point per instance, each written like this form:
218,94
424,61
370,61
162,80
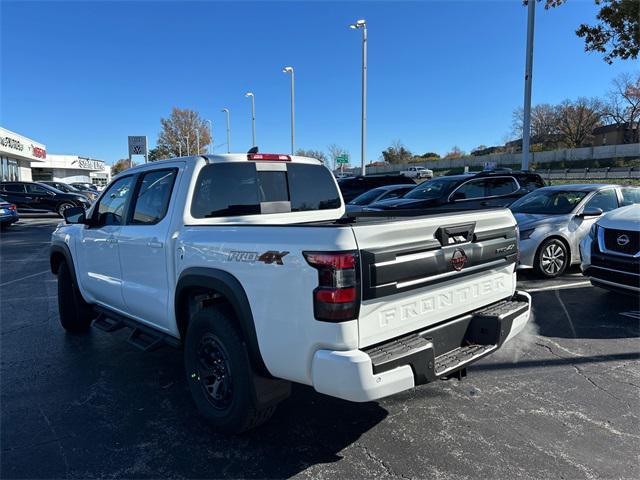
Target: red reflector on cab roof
269,156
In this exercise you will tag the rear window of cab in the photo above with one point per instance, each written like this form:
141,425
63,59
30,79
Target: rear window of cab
238,188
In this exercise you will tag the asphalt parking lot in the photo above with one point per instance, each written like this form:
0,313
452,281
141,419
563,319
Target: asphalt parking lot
561,401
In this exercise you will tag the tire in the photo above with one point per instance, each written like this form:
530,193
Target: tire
219,373
63,206
76,315
552,258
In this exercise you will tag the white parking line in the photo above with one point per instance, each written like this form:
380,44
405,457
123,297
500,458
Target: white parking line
560,287
24,278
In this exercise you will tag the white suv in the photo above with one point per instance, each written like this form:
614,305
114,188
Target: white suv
247,262
417,172
611,252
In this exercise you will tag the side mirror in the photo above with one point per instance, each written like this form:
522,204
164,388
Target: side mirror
591,212
458,196
75,215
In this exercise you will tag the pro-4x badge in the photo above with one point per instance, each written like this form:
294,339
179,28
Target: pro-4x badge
458,259
272,256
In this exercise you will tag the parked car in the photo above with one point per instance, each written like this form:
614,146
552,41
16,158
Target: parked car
417,172
352,187
66,188
36,197
381,193
465,192
85,186
8,213
611,251
247,263
554,220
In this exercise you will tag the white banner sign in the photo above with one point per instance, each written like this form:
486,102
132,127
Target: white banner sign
138,145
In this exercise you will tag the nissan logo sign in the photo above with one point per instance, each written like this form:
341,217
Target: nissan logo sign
623,240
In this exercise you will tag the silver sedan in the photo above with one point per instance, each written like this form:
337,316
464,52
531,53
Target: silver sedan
553,220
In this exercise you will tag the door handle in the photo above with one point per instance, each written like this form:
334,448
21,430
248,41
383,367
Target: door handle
112,240
154,244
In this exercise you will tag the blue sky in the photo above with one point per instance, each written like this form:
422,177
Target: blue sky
81,76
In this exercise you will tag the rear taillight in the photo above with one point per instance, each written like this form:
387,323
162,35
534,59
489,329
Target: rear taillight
268,156
12,207
337,297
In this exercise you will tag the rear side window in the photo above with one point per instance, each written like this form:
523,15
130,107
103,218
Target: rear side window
13,187
529,183
233,189
152,199
630,195
501,186
472,189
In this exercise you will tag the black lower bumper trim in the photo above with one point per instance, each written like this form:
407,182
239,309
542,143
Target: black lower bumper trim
441,350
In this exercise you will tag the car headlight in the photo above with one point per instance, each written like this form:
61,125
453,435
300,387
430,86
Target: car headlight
526,234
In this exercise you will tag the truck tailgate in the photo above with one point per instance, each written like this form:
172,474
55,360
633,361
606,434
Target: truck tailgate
422,271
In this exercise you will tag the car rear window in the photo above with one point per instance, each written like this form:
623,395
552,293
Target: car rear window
235,188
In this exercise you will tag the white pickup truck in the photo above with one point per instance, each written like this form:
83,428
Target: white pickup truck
417,172
249,264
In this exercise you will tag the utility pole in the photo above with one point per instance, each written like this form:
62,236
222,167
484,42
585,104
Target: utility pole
362,24
211,134
226,110
528,73
253,116
290,70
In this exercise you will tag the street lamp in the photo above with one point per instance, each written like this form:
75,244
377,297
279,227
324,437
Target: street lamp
188,149
211,134
253,115
226,110
362,25
528,72
198,141
290,70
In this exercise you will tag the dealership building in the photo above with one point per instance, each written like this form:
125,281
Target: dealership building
17,155
22,158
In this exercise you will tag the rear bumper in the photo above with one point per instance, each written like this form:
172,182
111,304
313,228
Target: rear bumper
421,357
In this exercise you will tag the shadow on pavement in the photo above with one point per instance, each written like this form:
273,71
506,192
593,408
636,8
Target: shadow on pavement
586,313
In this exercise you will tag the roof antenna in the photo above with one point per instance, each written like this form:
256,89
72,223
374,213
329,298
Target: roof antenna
253,149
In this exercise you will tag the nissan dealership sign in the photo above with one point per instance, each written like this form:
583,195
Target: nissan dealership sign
14,145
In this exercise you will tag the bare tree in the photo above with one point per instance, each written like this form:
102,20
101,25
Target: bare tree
317,154
623,105
397,153
577,119
336,151
180,133
456,152
544,121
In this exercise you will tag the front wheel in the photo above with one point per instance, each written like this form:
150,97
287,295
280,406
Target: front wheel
552,258
219,373
62,207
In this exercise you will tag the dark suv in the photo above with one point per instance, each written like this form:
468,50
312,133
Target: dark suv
66,188
474,191
36,197
351,187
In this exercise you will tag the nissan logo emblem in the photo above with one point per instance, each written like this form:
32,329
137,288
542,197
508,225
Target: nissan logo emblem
458,259
623,240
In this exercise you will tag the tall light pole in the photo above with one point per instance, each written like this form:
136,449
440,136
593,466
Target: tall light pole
253,116
226,110
198,141
188,149
290,70
180,148
211,134
528,72
362,25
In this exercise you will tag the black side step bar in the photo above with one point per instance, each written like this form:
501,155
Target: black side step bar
143,337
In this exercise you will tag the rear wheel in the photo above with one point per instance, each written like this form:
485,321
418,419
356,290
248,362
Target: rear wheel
62,207
219,373
76,315
552,258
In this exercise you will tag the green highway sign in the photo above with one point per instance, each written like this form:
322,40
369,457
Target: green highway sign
342,159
